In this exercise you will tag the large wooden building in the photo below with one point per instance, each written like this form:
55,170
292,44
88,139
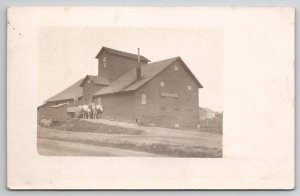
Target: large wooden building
131,89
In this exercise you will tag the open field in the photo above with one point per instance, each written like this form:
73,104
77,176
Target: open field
109,138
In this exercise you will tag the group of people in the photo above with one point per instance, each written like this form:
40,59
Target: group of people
89,111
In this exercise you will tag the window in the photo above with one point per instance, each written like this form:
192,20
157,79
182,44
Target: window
189,88
162,83
104,62
89,81
143,101
176,125
163,108
176,68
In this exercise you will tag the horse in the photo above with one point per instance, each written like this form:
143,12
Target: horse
86,111
99,108
94,110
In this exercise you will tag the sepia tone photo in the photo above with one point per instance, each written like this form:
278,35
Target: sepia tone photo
163,98
115,92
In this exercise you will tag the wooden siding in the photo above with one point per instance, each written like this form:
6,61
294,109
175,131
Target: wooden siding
89,89
118,107
54,113
167,110
116,66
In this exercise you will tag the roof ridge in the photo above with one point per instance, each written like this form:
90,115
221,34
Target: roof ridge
158,67
122,53
104,47
72,86
142,66
95,77
173,58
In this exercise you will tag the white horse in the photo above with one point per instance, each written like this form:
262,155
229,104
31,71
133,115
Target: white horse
86,111
95,109
89,112
99,108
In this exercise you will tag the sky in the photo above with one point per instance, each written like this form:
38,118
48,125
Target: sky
67,54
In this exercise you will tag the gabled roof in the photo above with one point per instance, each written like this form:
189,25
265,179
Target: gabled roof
96,80
128,81
59,105
207,110
121,53
68,93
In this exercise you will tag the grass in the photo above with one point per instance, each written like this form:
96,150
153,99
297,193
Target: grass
78,125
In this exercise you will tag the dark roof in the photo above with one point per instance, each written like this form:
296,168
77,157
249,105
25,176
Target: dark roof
68,93
128,81
96,80
121,53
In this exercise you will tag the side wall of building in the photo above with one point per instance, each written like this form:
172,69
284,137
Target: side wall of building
174,103
53,113
89,89
43,112
116,66
58,113
118,107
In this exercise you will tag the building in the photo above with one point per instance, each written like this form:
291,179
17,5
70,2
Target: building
206,113
210,120
131,89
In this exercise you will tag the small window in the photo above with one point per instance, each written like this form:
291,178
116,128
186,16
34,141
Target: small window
176,125
89,81
163,108
176,68
162,83
143,101
189,88
104,62
177,109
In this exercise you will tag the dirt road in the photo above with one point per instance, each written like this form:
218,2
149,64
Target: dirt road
70,139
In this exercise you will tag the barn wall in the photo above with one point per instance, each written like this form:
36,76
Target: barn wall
116,66
43,112
168,111
60,113
118,107
55,114
89,89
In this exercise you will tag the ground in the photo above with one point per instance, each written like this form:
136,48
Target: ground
110,138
